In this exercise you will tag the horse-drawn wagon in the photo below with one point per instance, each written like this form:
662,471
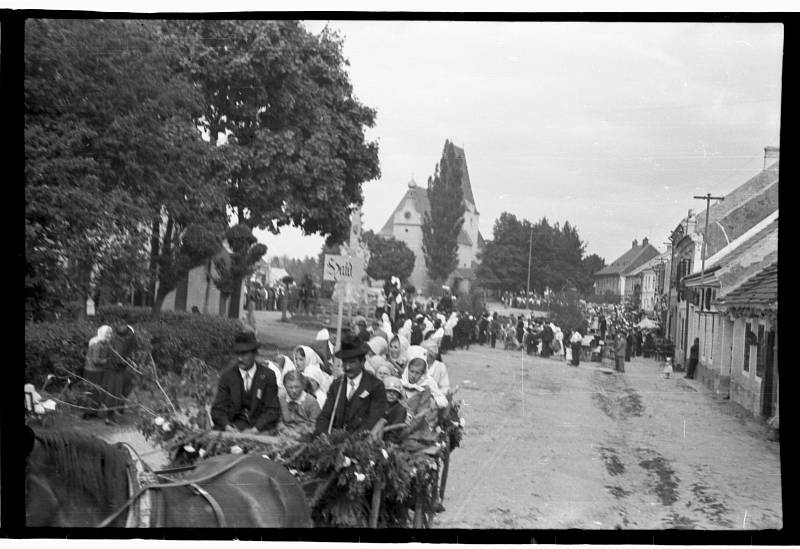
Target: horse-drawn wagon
225,479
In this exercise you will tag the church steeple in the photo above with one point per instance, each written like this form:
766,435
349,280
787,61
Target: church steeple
466,186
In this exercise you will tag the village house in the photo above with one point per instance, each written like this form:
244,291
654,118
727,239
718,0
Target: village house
744,209
405,224
613,279
649,278
738,340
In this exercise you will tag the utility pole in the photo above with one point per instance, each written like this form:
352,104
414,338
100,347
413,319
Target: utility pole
528,292
708,198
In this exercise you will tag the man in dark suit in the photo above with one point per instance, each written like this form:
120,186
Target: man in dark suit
247,392
356,400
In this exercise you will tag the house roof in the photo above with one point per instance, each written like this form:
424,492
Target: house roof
758,291
747,258
742,208
629,260
649,264
481,240
463,238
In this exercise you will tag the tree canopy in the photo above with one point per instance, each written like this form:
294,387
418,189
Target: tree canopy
557,260
388,257
442,224
140,135
278,101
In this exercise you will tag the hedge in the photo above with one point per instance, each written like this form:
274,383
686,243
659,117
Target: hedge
172,339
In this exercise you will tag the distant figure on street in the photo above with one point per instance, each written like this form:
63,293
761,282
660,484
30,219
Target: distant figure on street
494,329
694,356
619,352
575,343
95,366
629,343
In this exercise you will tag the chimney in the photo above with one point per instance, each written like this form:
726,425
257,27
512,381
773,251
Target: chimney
771,152
644,241
635,243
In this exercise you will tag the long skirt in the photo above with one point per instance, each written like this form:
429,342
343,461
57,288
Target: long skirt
95,394
118,382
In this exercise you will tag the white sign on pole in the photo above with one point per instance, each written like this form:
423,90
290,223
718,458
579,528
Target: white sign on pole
340,268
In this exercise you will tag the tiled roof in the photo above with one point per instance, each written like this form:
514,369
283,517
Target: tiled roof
629,260
742,208
463,238
739,195
760,290
481,240
466,186
649,264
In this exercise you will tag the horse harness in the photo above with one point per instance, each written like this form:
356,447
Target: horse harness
143,509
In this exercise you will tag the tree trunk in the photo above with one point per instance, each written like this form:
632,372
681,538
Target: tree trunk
161,293
208,287
236,298
154,248
284,305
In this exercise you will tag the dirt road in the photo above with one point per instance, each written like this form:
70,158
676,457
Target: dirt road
562,447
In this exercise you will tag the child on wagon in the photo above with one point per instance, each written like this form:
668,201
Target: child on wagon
396,413
299,410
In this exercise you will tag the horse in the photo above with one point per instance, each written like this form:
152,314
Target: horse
77,480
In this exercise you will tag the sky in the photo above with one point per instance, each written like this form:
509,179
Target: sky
613,127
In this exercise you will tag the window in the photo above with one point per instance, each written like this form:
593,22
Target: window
407,215
746,363
761,357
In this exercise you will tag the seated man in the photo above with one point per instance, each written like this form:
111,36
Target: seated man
247,392
356,400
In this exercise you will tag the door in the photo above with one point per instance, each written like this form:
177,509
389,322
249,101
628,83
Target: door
767,385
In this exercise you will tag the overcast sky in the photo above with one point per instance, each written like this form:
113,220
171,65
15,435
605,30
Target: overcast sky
611,126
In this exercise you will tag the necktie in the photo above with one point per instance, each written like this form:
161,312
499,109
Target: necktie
247,382
351,388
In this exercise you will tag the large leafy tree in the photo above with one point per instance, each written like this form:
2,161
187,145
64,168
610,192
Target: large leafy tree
442,224
112,151
388,257
556,256
278,102
590,265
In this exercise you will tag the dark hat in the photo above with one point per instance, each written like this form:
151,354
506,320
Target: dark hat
245,342
352,346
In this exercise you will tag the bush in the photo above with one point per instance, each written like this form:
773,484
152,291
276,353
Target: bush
172,339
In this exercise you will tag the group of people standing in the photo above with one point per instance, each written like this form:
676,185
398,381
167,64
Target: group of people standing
107,369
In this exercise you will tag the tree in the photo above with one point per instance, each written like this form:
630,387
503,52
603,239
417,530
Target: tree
442,224
278,103
589,265
245,253
556,254
112,151
388,257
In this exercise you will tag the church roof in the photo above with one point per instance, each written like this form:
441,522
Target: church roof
463,238
466,186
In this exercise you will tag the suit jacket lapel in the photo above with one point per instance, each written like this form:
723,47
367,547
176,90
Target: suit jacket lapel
355,402
258,381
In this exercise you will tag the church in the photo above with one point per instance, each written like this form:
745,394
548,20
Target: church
405,224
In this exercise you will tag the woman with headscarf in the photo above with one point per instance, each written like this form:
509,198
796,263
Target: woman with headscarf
397,355
416,380
405,331
94,368
117,380
308,363
377,349
437,370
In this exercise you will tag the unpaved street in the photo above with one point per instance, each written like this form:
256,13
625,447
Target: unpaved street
564,447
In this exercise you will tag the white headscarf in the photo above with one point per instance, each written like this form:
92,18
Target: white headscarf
323,335
404,346
424,382
104,333
387,325
312,370
405,331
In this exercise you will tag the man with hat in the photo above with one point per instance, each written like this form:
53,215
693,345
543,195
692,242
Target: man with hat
247,392
356,400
